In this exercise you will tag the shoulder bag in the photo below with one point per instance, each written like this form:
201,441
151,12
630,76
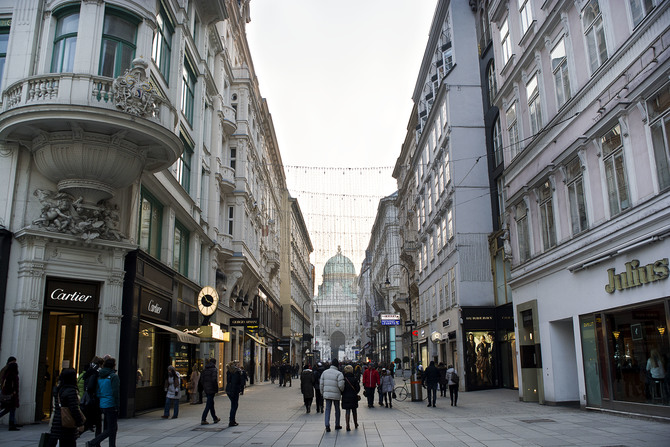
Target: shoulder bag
66,418
358,396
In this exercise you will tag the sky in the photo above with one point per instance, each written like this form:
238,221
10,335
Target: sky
338,76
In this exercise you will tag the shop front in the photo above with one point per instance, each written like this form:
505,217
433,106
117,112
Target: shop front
479,348
68,333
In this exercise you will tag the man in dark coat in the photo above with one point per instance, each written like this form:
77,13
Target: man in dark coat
66,397
210,386
307,386
318,369
9,380
431,377
233,390
89,401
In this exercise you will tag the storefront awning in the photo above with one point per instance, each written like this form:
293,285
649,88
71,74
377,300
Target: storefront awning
255,339
182,336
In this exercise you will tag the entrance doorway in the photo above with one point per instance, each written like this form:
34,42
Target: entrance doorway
68,341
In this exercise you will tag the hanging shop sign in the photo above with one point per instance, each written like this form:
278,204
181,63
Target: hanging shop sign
390,319
636,275
71,295
249,323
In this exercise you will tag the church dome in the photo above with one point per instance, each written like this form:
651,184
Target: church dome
339,264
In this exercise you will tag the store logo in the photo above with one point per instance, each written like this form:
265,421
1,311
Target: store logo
61,295
154,307
636,275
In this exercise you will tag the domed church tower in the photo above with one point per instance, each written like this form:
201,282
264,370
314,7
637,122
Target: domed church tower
336,328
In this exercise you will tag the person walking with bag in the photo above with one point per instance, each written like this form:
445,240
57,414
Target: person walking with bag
332,384
452,381
431,378
387,384
89,399
9,387
108,396
172,388
233,390
370,383
68,421
210,386
350,395
307,387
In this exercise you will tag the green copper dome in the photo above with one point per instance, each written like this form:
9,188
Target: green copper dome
339,264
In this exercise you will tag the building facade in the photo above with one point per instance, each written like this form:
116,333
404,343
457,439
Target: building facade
143,204
443,187
583,97
336,325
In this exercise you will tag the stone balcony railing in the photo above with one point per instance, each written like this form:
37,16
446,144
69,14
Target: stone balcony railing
225,175
228,117
76,90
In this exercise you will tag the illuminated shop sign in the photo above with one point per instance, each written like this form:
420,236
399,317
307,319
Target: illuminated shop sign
636,275
154,307
72,295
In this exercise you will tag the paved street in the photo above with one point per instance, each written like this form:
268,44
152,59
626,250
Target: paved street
273,416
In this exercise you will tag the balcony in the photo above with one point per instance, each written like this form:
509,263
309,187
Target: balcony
228,117
92,135
225,175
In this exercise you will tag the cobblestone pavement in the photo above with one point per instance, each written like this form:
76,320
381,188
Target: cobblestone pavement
274,416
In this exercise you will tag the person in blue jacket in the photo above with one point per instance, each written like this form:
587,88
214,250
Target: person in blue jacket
108,397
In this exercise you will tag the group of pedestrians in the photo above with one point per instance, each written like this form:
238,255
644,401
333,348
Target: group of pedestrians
444,376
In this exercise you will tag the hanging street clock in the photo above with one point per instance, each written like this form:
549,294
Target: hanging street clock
208,299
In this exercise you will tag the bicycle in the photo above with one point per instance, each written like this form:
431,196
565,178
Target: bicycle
402,391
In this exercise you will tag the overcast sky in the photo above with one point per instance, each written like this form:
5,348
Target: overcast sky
338,76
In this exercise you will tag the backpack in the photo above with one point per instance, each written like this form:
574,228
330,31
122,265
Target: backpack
454,378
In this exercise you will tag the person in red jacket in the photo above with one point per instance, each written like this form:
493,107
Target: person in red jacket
370,383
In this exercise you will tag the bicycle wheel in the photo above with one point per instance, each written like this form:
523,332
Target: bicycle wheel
400,393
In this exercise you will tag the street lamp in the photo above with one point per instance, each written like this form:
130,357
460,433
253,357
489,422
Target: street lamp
302,340
415,387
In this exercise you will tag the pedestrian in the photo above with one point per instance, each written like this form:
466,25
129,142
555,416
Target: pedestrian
452,381
370,383
273,372
108,396
332,384
89,399
442,368
233,390
194,383
358,372
288,375
387,384
245,377
172,387
350,395
318,370
210,386
9,388
381,371
282,372
307,387
430,379
67,398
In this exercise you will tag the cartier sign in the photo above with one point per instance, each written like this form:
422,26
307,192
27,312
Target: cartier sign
154,306
71,295
636,275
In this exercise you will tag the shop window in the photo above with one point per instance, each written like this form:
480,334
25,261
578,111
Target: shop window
151,221
479,359
615,170
180,250
658,109
147,370
119,35
65,41
161,49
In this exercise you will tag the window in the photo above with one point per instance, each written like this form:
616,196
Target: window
452,276
161,49
575,184
505,43
523,236
447,56
65,42
639,10
183,173
559,65
4,40
547,216
500,195
180,252
447,168
658,110
440,175
512,130
534,106
233,157
493,83
440,236
231,217
443,230
443,303
431,246
450,222
118,43
151,220
430,197
526,15
188,91
497,142
615,170
592,21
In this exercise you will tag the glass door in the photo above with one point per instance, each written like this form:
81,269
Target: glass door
590,358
